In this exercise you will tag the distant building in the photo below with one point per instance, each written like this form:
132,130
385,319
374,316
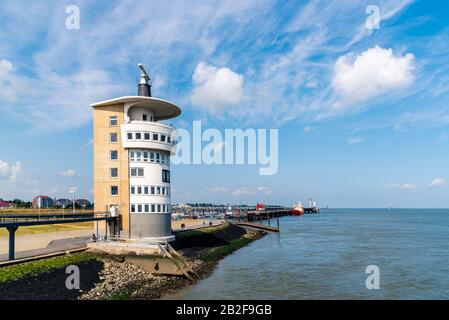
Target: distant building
63,203
42,202
83,203
7,205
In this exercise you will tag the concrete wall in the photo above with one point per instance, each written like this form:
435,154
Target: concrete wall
154,224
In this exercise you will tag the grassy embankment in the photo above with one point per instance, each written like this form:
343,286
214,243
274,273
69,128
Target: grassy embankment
34,268
220,252
223,240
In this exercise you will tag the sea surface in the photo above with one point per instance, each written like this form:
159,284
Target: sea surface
325,256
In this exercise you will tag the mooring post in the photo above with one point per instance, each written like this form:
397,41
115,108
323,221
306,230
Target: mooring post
277,219
12,230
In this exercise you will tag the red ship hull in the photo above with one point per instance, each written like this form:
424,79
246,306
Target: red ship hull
296,213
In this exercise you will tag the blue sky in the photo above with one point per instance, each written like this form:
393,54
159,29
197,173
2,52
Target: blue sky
362,113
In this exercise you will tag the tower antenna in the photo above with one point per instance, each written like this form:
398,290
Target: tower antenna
144,83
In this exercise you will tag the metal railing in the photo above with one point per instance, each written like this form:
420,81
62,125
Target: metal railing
37,219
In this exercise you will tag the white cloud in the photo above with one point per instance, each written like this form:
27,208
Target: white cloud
216,89
373,72
278,85
309,129
405,186
437,182
408,186
14,184
67,173
217,189
355,140
264,190
10,83
10,172
250,191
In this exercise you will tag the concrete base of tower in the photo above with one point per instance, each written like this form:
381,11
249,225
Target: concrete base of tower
151,226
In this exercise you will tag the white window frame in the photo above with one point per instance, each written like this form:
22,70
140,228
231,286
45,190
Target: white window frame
110,155
110,173
110,191
113,118
110,137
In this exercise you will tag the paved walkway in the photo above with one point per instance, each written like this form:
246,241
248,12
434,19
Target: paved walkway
28,242
54,246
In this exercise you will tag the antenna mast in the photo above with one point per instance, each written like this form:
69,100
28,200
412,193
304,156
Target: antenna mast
144,88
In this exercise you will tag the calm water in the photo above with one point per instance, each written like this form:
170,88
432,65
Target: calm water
325,256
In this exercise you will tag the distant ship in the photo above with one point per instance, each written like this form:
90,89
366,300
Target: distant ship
297,210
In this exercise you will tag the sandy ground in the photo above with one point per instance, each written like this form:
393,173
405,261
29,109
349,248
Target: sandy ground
37,241
193,224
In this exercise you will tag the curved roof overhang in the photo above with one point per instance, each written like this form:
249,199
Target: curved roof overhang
162,109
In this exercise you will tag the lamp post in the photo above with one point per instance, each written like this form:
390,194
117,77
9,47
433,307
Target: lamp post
73,200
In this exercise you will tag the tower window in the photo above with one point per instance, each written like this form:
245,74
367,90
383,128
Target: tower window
144,117
162,138
130,135
166,176
113,137
155,137
113,155
114,172
137,172
114,190
133,208
138,135
113,121
146,136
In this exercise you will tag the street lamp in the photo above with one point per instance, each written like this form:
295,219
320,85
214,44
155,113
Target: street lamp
73,200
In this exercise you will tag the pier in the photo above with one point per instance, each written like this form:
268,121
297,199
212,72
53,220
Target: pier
12,222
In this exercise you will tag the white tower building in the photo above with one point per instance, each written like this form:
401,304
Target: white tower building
132,150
